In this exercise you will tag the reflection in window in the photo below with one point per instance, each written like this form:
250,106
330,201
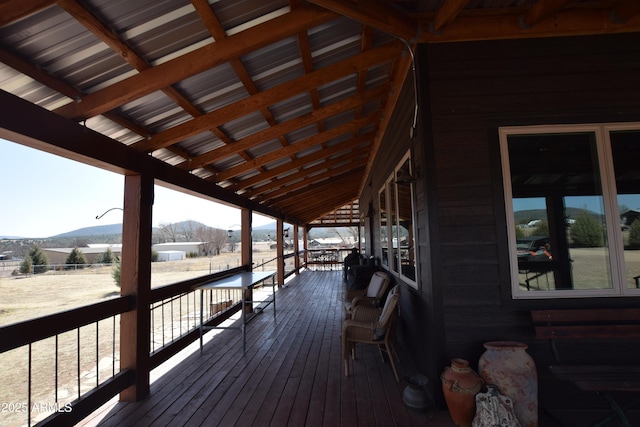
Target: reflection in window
625,147
405,235
384,241
393,221
397,229
565,223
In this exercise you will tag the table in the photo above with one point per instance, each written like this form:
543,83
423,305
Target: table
243,281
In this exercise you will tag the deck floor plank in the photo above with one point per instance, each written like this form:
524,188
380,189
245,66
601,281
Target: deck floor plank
291,375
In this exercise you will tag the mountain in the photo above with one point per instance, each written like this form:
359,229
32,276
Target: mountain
266,227
98,230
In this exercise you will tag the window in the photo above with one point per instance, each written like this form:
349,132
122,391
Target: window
573,209
397,231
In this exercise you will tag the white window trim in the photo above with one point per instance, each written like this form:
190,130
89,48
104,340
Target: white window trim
614,237
390,236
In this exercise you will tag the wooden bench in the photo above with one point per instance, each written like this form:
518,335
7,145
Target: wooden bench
593,325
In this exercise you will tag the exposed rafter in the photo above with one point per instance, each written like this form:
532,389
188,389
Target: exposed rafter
283,105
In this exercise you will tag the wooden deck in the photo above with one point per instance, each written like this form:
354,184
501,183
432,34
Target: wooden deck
291,375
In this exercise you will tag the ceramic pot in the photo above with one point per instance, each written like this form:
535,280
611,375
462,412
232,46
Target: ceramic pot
414,395
511,369
460,384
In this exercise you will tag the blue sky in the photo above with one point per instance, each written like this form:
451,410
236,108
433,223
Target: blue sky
54,195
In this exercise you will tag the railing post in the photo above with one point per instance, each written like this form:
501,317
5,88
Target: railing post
280,252
135,278
296,249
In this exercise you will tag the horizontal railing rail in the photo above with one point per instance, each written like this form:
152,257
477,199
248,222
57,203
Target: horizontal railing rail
70,356
29,331
164,301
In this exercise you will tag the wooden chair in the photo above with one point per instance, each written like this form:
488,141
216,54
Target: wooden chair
370,296
374,326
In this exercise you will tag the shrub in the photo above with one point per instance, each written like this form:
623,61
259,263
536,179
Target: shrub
76,257
39,260
634,235
586,232
26,265
106,257
116,274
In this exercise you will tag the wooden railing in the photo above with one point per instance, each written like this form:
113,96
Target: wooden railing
175,324
74,364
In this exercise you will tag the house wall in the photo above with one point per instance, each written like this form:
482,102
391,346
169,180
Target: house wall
468,90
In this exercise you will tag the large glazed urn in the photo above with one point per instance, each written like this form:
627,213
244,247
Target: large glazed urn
460,384
511,369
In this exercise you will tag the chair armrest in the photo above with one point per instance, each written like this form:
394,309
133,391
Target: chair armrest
352,293
365,301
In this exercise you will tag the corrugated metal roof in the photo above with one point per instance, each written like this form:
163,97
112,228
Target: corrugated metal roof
248,94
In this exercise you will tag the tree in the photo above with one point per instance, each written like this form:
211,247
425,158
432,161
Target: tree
219,238
586,232
207,236
634,235
106,257
39,260
26,265
76,257
169,232
116,274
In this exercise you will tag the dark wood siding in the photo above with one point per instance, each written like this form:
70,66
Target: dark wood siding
466,91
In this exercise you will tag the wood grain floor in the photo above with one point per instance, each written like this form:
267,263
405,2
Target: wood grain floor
291,375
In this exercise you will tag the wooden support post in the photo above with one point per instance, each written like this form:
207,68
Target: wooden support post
245,237
280,251
247,252
305,245
296,248
135,279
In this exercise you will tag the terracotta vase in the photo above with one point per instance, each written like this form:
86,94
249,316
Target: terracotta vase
511,369
460,384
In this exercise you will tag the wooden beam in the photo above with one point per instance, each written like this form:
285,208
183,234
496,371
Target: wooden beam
301,162
269,97
299,146
624,11
66,138
542,9
195,62
374,14
20,64
397,78
275,196
17,9
285,127
310,205
308,176
566,22
447,13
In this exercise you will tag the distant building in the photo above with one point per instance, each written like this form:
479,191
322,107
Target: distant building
171,255
330,242
186,247
627,218
91,253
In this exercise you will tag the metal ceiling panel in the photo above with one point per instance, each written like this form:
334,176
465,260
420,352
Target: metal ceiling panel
213,89
201,143
274,64
237,13
123,65
245,126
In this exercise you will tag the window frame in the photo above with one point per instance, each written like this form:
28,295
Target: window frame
393,223
616,260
